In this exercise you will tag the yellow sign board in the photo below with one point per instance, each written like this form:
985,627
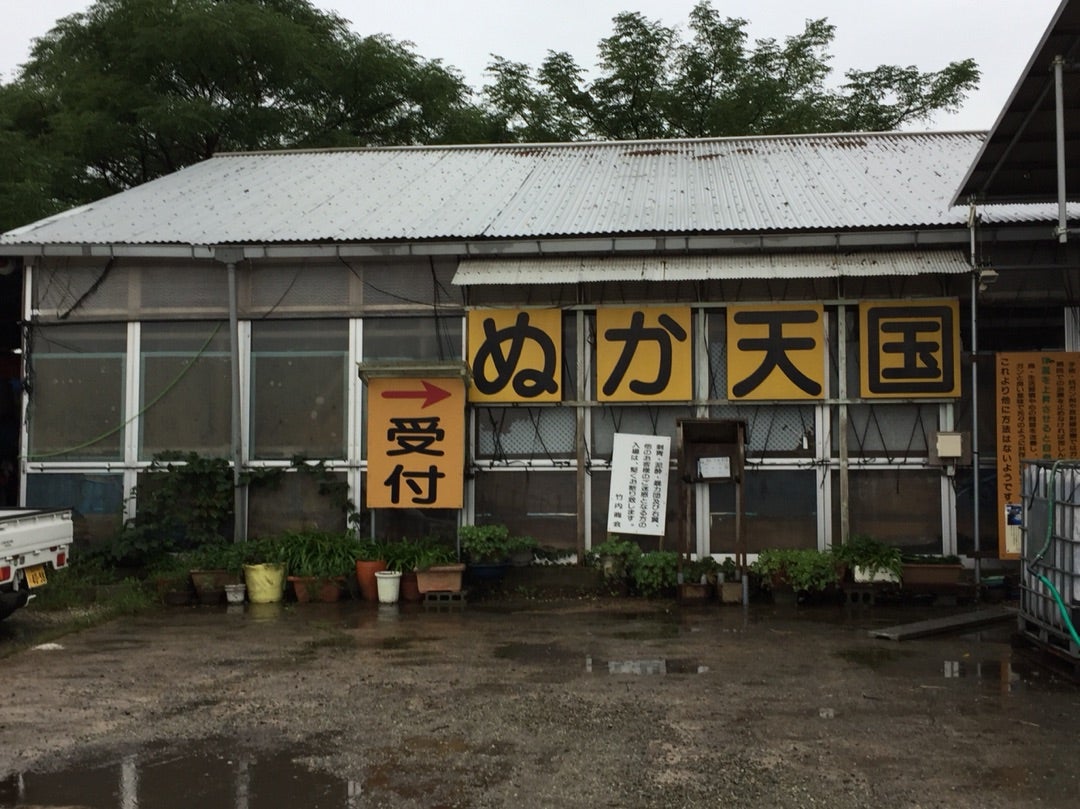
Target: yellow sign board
643,354
515,355
415,443
776,351
1037,401
909,349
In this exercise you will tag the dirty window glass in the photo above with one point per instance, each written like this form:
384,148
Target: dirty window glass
298,388
186,392
412,338
76,386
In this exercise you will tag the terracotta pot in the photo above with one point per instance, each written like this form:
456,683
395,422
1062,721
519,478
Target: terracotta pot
365,577
410,588
315,588
302,587
440,578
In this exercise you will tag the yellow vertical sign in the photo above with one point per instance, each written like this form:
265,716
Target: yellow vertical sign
515,355
909,349
643,354
1037,402
776,351
415,443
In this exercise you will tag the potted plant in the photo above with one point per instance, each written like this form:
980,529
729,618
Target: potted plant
655,573
697,580
487,548
318,562
729,582
171,574
521,550
264,570
928,570
797,570
370,559
214,565
869,559
615,557
437,569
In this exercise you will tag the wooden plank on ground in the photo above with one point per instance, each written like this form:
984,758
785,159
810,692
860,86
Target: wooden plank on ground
951,623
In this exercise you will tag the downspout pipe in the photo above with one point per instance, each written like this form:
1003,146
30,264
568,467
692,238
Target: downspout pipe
1059,110
973,219
230,256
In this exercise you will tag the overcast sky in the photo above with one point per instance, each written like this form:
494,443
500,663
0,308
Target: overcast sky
1000,35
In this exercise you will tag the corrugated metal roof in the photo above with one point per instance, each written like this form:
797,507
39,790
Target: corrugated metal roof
764,184
553,270
1016,164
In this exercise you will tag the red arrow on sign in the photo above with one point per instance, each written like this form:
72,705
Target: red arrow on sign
430,394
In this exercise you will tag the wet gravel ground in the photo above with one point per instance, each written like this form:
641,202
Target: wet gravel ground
565,703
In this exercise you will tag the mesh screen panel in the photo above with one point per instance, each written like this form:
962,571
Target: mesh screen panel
522,432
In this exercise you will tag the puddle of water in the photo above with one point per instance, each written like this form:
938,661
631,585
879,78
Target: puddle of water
164,778
646,668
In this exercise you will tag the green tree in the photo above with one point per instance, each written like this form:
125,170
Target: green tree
654,84
130,90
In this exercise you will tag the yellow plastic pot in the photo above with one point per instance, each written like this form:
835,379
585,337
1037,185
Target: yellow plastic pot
265,583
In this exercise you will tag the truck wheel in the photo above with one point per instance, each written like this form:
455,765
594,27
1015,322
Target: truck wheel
9,602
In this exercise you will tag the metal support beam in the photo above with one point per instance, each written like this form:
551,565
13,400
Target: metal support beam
1059,110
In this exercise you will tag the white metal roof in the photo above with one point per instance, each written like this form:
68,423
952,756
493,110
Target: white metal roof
553,270
709,186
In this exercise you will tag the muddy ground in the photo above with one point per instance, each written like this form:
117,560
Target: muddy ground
561,703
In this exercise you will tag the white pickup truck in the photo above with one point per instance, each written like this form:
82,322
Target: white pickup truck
31,541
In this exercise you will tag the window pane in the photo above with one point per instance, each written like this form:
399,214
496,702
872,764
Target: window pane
95,501
900,507
77,392
298,385
186,395
540,504
779,510
412,338
295,502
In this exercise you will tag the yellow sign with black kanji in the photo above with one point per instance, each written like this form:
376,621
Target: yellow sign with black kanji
515,355
909,349
643,354
416,443
776,351
1038,402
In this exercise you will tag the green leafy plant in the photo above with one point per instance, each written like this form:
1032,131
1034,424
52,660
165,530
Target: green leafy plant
703,566
184,501
323,554
519,543
227,556
434,555
417,554
370,550
873,555
614,548
485,543
655,572
803,569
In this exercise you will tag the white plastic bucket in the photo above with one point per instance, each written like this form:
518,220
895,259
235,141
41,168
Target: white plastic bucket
234,593
389,584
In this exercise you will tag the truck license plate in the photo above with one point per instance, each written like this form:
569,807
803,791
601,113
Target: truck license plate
35,576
